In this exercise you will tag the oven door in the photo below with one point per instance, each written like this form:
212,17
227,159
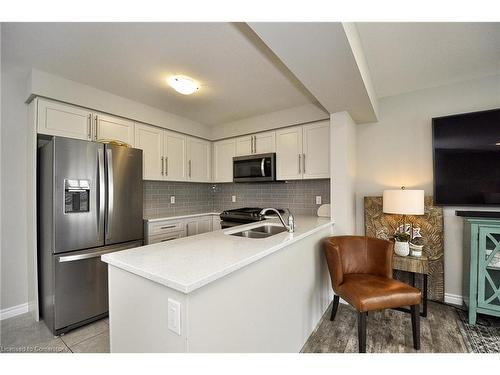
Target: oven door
254,168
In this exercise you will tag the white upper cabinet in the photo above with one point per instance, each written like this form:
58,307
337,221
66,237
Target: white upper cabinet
264,142
289,153
303,152
64,120
113,128
174,152
244,145
198,160
316,150
150,140
223,160
260,143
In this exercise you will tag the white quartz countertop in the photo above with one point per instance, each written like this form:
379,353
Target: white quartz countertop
189,263
153,218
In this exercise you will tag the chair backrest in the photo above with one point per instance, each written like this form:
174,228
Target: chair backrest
357,254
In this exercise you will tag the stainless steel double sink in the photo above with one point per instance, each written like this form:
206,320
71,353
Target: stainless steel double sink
262,231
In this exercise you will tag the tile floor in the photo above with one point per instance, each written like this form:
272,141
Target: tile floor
23,334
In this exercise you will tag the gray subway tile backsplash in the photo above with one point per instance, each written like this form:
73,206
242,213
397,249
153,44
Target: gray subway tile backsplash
191,198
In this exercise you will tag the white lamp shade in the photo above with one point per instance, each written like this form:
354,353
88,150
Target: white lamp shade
403,202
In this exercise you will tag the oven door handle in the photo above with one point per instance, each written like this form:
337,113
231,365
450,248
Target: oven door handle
262,162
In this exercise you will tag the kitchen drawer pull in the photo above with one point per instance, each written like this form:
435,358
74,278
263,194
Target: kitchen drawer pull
168,227
169,239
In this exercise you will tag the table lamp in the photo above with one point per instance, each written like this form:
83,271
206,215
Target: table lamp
403,202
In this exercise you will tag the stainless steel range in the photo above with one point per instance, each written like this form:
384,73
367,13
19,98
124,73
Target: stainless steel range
240,216
90,203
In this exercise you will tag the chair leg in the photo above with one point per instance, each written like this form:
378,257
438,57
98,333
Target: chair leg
415,325
335,307
362,331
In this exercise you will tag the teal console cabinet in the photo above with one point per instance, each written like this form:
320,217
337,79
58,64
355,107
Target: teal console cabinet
481,277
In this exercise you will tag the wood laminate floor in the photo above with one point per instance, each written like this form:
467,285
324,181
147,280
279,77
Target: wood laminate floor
388,331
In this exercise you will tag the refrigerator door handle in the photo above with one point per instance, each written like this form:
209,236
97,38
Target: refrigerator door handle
109,162
100,190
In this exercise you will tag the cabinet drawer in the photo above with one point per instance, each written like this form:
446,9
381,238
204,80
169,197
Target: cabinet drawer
163,227
165,237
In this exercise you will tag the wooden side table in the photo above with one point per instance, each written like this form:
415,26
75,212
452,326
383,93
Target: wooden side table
414,265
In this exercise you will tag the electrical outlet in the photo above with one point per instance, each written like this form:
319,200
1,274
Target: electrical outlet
174,316
172,199
233,198
318,199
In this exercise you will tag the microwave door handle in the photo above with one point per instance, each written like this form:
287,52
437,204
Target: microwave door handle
262,162
109,155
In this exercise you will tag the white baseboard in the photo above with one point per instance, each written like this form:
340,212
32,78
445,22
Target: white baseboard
453,299
9,312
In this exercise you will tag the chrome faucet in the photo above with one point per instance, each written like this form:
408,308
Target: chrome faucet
291,220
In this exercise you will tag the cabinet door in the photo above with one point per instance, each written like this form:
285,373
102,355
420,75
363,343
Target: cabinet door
192,227
199,160
216,223
289,153
114,128
489,268
150,140
204,224
316,150
244,145
175,156
265,143
224,151
63,120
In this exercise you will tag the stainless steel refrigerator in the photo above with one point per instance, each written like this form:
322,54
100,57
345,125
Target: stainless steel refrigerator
89,204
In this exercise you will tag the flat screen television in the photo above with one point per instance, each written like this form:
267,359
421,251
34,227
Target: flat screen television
467,159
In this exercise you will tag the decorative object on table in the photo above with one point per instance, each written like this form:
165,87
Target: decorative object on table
416,246
401,244
381,225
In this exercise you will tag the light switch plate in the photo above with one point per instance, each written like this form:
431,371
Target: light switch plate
174,316
172,199
233,198
318,199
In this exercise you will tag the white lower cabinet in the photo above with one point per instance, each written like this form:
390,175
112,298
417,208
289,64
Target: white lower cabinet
166,230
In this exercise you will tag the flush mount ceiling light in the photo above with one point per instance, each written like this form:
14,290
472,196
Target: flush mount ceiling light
183,85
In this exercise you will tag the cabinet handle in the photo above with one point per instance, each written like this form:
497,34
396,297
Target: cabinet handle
96,123
299,163
304,163
254,144
169,239
168,227
189,165
166,165
89,127
162,165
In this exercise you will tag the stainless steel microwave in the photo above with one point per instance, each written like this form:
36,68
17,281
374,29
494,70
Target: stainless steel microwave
254,168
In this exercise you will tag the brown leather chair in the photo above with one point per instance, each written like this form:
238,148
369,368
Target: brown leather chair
361,272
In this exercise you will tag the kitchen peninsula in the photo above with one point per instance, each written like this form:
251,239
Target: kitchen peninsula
217,292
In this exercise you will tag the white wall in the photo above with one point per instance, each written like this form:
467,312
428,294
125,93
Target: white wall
397,151
14,288
343,172
55,87
279,119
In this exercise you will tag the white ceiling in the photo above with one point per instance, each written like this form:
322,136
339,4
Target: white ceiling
238,75
404,57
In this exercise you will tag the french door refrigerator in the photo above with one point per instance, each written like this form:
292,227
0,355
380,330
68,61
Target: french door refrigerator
89,204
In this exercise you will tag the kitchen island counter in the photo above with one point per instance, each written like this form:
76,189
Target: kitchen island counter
189,263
